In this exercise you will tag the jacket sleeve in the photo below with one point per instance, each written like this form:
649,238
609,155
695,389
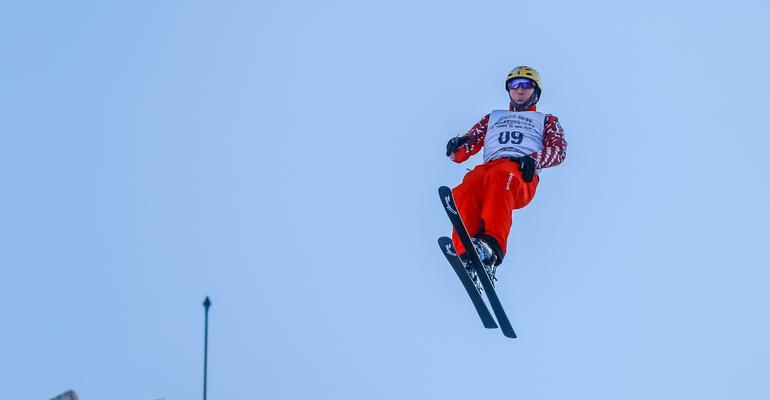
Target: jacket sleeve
554,144
477,134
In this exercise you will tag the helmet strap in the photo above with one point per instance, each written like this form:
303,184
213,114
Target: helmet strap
527,104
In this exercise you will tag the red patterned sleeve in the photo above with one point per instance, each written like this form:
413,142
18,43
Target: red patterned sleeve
477,134
554,145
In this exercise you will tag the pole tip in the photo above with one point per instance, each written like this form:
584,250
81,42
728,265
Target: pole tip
207,302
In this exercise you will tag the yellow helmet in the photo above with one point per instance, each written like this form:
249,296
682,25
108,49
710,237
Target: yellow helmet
524,72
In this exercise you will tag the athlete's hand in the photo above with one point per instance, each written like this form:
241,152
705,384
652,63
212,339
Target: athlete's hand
527,166
455,143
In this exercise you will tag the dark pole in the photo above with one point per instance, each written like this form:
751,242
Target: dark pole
207,304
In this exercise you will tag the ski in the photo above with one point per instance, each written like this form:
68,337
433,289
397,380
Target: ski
445,244
447,199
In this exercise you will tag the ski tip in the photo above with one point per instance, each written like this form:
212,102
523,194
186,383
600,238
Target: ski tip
445,244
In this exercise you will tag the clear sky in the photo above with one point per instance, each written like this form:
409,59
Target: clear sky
283,158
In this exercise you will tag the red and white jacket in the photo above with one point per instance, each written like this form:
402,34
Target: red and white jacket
554,145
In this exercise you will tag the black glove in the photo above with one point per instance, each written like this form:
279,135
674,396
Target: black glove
527,166
455,143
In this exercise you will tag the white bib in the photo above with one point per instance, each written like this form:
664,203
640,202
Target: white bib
513,134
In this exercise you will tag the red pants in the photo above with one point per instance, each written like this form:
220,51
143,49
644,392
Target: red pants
486,199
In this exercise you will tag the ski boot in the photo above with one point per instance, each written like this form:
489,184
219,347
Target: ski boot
488,258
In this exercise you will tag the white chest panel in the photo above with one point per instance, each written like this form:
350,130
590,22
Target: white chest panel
513,134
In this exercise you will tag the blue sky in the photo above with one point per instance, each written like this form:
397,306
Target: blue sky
283,158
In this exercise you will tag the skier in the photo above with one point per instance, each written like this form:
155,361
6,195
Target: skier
517,144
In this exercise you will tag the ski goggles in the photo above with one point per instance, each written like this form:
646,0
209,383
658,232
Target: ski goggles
520,83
